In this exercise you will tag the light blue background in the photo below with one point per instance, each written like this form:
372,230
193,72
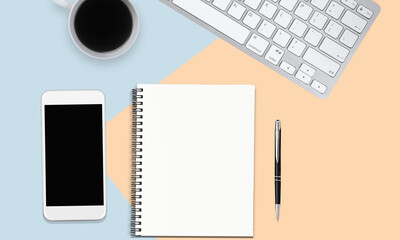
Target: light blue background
37,54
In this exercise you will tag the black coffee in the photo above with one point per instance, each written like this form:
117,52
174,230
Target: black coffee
103,25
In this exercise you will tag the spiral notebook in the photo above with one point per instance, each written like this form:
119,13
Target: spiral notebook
193,161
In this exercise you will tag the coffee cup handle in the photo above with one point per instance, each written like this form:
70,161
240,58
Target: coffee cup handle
64,3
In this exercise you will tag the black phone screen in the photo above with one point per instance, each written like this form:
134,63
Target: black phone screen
74,155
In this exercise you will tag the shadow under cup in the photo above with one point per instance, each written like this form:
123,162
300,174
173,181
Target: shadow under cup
104,28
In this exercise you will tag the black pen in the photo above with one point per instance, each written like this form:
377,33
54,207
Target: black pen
277,167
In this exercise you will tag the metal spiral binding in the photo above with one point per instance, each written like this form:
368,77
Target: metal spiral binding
136,177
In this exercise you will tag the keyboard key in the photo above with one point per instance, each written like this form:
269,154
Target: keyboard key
303,77
252,3
283,18
267,29
313,37
298,28
364,11
321,62
321,4
287,67
214,18
236,10
333,29
282,38
296,47
318,20
222,4
274,55
307,70
268,9
257,44
350,3
303,11
335,10
334,50
288,4
251,19
354,22
319,86
348,38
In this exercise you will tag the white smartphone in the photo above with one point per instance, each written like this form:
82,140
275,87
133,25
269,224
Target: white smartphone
73,155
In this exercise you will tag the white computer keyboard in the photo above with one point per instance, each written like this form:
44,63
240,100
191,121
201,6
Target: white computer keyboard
309,42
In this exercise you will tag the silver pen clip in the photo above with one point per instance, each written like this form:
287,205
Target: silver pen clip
277,140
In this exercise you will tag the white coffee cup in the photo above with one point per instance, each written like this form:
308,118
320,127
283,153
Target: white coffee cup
74,7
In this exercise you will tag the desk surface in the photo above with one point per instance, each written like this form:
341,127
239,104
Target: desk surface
343,152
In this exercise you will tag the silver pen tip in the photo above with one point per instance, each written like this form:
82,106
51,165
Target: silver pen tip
278,125
277,209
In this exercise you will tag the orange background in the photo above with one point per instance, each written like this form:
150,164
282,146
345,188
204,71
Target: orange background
341,169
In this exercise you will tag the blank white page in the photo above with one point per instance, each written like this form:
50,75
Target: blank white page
198,160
